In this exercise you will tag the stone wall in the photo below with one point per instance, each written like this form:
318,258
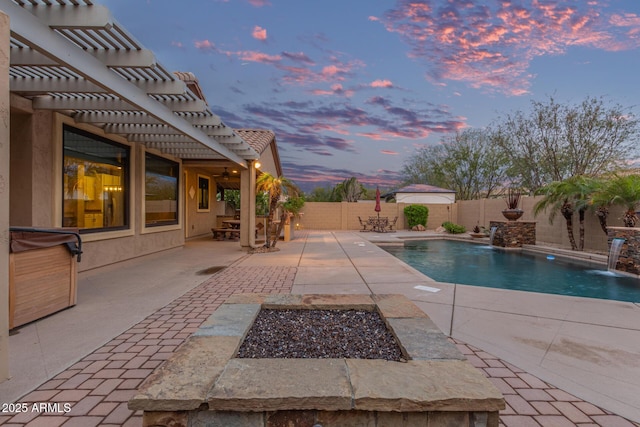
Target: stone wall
629,259
513,234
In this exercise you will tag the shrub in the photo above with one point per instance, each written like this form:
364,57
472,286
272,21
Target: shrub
416,214
453,228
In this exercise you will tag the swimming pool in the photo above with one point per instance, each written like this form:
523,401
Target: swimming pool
481,265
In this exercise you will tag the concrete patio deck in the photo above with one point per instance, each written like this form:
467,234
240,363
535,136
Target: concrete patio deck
558,360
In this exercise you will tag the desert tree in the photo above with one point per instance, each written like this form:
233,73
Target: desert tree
349,190
467,162
553,141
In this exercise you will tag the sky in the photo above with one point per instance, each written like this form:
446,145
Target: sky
355,87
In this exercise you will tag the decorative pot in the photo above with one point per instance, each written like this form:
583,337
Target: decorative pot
512,214
477,235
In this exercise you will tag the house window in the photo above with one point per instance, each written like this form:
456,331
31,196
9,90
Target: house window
203,193
161,191
95,182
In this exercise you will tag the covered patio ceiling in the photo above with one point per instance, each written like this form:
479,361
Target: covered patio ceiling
71,56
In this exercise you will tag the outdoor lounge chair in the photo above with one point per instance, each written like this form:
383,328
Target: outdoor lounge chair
363,224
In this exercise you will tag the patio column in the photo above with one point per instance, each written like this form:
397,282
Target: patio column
248,206
4,196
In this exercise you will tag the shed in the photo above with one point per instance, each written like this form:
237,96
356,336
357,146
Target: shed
423,193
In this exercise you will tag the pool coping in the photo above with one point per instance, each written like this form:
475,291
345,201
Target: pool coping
584,259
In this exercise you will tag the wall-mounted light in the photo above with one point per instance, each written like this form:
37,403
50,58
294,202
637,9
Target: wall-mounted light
258,165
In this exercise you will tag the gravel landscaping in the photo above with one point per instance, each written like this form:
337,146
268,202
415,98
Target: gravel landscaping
320,334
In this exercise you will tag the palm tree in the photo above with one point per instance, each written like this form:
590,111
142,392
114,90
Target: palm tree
622,190
275,187
572,194
600,203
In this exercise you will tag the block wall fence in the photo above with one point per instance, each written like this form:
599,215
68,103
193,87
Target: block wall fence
344,216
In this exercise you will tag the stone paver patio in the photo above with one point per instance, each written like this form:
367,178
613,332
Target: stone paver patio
99,386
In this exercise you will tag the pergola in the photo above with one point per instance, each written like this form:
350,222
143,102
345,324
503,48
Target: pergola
73,57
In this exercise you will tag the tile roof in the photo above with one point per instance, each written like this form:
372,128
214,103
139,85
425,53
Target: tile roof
258,139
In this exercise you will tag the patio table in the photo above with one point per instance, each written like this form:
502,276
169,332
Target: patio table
379,224
232,223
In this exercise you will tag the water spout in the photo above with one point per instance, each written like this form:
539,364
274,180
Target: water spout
614,253
492,235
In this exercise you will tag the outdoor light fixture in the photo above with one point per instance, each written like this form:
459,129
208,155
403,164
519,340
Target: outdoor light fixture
257,165
225,175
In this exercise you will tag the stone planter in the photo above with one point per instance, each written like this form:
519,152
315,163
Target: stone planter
477,235
512,214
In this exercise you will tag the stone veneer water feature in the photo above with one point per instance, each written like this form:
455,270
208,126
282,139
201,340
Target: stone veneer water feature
629,256
203,384
513,234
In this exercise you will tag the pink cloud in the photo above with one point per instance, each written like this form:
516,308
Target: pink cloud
259,3
298,75
336,89
336,72
381,83
305,71
299,57
492,46
389,152
205,45
330,70
259,33
177,44
253,56
373,18
625,20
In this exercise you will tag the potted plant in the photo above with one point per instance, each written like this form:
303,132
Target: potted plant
476,232
512,212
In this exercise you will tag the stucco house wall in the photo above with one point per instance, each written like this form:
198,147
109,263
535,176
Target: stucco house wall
199,222
5,201
36,191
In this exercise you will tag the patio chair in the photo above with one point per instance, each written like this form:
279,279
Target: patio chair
363,224
392,224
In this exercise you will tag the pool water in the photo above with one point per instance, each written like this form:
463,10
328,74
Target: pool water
482,265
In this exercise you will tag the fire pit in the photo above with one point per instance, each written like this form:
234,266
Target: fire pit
206,383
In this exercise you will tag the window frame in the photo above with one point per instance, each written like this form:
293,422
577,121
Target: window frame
126,180
207,208
165,225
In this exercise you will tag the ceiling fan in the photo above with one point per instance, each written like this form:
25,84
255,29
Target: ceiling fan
224,175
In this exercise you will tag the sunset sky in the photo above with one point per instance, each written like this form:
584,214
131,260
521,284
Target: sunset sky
353,87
